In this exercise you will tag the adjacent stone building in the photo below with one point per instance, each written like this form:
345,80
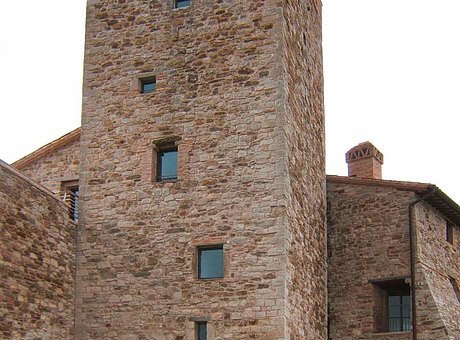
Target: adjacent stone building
37,261
390,242
197,180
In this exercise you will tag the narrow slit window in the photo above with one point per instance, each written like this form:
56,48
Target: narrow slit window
201,330
148,85
449,233
70,192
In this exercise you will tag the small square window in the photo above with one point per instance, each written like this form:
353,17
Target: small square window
181,3
449,233
201,330
211,262
148,85
167,164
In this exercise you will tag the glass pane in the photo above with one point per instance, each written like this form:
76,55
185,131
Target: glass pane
168,169
406,324
149,86
182,3
406,306
202,331
211,263
394,324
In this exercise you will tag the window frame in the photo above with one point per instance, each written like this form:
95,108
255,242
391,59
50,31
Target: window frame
146,81
70,192
400,293
382,290
200,250
160,152
176,4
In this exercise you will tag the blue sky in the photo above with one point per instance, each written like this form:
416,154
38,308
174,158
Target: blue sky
391,68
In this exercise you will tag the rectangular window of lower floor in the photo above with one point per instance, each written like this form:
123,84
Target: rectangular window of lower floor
201,330
392,306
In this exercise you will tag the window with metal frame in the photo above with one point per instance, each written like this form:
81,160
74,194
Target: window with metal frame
399,310
211,262
167,163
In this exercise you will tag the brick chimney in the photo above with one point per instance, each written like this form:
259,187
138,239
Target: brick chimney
364,161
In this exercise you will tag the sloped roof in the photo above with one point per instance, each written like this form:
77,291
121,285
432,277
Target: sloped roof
48,148
435,196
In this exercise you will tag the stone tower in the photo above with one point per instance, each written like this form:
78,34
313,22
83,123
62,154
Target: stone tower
202,203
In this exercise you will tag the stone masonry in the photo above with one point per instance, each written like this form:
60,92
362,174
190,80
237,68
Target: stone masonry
55,163
239,89
368,245
37,261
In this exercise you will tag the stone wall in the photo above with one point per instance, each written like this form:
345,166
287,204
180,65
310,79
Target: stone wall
304,129
368,239
221,92
37,261
60,165
438,260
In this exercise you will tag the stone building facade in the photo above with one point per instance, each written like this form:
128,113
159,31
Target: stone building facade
238,94
379,233
37,261
229,95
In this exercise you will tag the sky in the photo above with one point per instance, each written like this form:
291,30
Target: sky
391,70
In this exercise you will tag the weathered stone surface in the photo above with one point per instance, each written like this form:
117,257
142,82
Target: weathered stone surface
37,261
368,239
55,166
240,84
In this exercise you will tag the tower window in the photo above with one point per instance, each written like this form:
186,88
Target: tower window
148,85
167,164
181,3
211,262
201,330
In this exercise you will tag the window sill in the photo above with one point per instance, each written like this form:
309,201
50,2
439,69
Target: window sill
392,333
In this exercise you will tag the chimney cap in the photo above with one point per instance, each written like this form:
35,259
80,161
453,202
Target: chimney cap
363,150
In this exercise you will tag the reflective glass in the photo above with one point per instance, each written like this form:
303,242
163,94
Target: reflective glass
149,86
168,165
202,330
211,263
182,3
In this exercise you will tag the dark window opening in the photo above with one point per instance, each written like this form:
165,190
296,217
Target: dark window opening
181,3
167,164
456,287
449,233
399,310
392,305
201,330
148,85
211,262
70,193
